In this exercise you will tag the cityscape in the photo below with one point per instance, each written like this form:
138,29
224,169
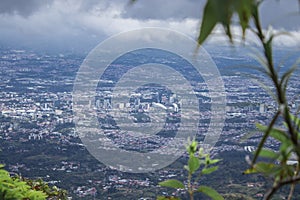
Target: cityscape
39,140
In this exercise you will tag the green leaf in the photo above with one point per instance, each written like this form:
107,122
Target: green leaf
277,134
221,11
193,164
261,127
210,192
192,147
209,21
296,121
264,167
286,150
209,170
268,154
250,171
172,183
268,48
214,161
244,9
285,78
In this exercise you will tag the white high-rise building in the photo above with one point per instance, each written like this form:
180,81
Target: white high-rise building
262,108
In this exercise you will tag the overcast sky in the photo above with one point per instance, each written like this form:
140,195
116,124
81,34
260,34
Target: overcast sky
79,25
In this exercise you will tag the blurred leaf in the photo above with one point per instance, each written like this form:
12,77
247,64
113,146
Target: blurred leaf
265,87
210,192
193,164
261,127
264,167
209,170
285,78
286,150
214,161
221,11
244,10
296,121
262,61
209,21
277,134
172,183
265,136
250,171
268,154
192,147
132,1
207,159
268,49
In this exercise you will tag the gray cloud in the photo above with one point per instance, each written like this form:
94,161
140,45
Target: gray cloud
281,14
82,24
88,5
157,9
24,8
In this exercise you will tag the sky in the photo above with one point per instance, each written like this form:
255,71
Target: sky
79,25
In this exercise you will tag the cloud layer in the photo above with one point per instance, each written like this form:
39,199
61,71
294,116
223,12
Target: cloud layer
79,25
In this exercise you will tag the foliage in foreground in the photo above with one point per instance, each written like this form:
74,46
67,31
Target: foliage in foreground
13,188
281,166
199,164
222,12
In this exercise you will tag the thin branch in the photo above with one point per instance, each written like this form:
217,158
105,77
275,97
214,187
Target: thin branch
294,184
266,135
190,187
271,192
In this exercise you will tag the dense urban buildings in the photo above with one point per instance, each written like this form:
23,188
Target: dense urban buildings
38,137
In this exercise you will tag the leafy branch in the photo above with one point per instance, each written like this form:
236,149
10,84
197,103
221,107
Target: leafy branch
221,11
12,188
199,164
